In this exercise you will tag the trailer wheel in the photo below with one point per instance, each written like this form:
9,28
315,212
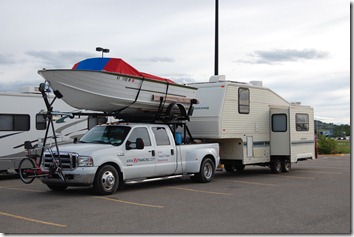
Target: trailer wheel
206,173
286,165
240,167
229,168
106,180
276,166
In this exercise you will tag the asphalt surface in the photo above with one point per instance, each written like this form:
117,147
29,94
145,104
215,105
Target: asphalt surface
313,198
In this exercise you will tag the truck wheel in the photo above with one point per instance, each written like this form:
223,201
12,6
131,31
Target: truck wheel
106,180
206,172
275,166
286,165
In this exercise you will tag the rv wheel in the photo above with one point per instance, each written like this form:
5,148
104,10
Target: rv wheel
229,168
286,165
240,167
276,166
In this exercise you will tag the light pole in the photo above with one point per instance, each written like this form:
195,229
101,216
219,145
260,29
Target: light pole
100,49
216,53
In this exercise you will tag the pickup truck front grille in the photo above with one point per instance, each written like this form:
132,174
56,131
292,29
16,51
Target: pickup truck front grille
68,160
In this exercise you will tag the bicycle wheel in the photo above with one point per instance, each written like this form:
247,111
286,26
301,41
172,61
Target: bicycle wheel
27,170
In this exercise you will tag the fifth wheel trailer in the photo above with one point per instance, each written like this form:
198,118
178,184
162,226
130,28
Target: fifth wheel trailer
252,124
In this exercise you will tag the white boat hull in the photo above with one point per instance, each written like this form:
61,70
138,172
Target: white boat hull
110,92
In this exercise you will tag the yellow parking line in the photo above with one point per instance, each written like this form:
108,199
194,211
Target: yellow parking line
131,203
23,189
33,220
321,172
201,191
292,177
254,183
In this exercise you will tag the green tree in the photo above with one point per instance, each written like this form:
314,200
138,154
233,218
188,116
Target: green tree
326,145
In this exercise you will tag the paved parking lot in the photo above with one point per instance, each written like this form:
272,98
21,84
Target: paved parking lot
314,197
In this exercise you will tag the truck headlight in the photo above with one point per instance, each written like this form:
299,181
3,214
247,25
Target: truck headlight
84,161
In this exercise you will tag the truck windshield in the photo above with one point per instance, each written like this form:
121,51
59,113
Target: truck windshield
114,135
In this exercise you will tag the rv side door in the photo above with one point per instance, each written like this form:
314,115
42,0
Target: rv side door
279,132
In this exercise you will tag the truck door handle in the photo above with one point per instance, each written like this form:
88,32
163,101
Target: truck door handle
152,152
172,152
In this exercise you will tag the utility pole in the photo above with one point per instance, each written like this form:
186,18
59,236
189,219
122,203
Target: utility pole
216,60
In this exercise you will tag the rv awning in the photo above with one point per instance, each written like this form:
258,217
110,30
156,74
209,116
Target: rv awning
115,65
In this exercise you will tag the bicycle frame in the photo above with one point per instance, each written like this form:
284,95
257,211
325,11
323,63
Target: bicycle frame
34,167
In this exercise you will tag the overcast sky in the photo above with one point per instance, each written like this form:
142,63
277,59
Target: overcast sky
300,49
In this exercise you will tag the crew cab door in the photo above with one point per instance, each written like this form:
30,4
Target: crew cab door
140,163
165,151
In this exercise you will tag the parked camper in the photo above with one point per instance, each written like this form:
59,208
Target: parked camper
252,124
21,120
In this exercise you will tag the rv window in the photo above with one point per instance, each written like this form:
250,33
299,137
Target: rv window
243,100
40,122
93,121
302,122
279,123
14,122
161,136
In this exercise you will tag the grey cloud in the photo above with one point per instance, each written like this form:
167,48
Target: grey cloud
59,59
7,59
180,78
283,55
13,86
155,59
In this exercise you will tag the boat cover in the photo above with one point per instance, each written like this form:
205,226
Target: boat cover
115,65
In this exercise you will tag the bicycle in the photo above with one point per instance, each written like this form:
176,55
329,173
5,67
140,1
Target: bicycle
30,168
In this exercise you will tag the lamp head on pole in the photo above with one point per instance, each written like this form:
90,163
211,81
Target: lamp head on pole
100,49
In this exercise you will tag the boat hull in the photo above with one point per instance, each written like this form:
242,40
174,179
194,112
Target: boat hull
111,92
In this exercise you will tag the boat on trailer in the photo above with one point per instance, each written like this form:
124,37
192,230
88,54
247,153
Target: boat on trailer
112,85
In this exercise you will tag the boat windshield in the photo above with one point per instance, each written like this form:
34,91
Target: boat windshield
114,135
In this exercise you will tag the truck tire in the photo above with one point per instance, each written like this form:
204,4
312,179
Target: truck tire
206,173
276,166
286,165
106,180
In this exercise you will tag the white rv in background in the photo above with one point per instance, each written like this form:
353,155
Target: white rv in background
252,124
20,120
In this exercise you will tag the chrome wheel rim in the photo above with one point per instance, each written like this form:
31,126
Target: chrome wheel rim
108,180
208,171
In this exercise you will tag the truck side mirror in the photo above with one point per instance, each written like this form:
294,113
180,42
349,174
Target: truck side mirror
127,145
139,143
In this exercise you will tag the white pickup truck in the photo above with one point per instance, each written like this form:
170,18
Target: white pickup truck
110,155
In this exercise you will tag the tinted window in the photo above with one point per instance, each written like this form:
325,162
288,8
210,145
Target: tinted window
243,100
140,133
14,122
161,136
279,123
302,122
114,135
40,122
